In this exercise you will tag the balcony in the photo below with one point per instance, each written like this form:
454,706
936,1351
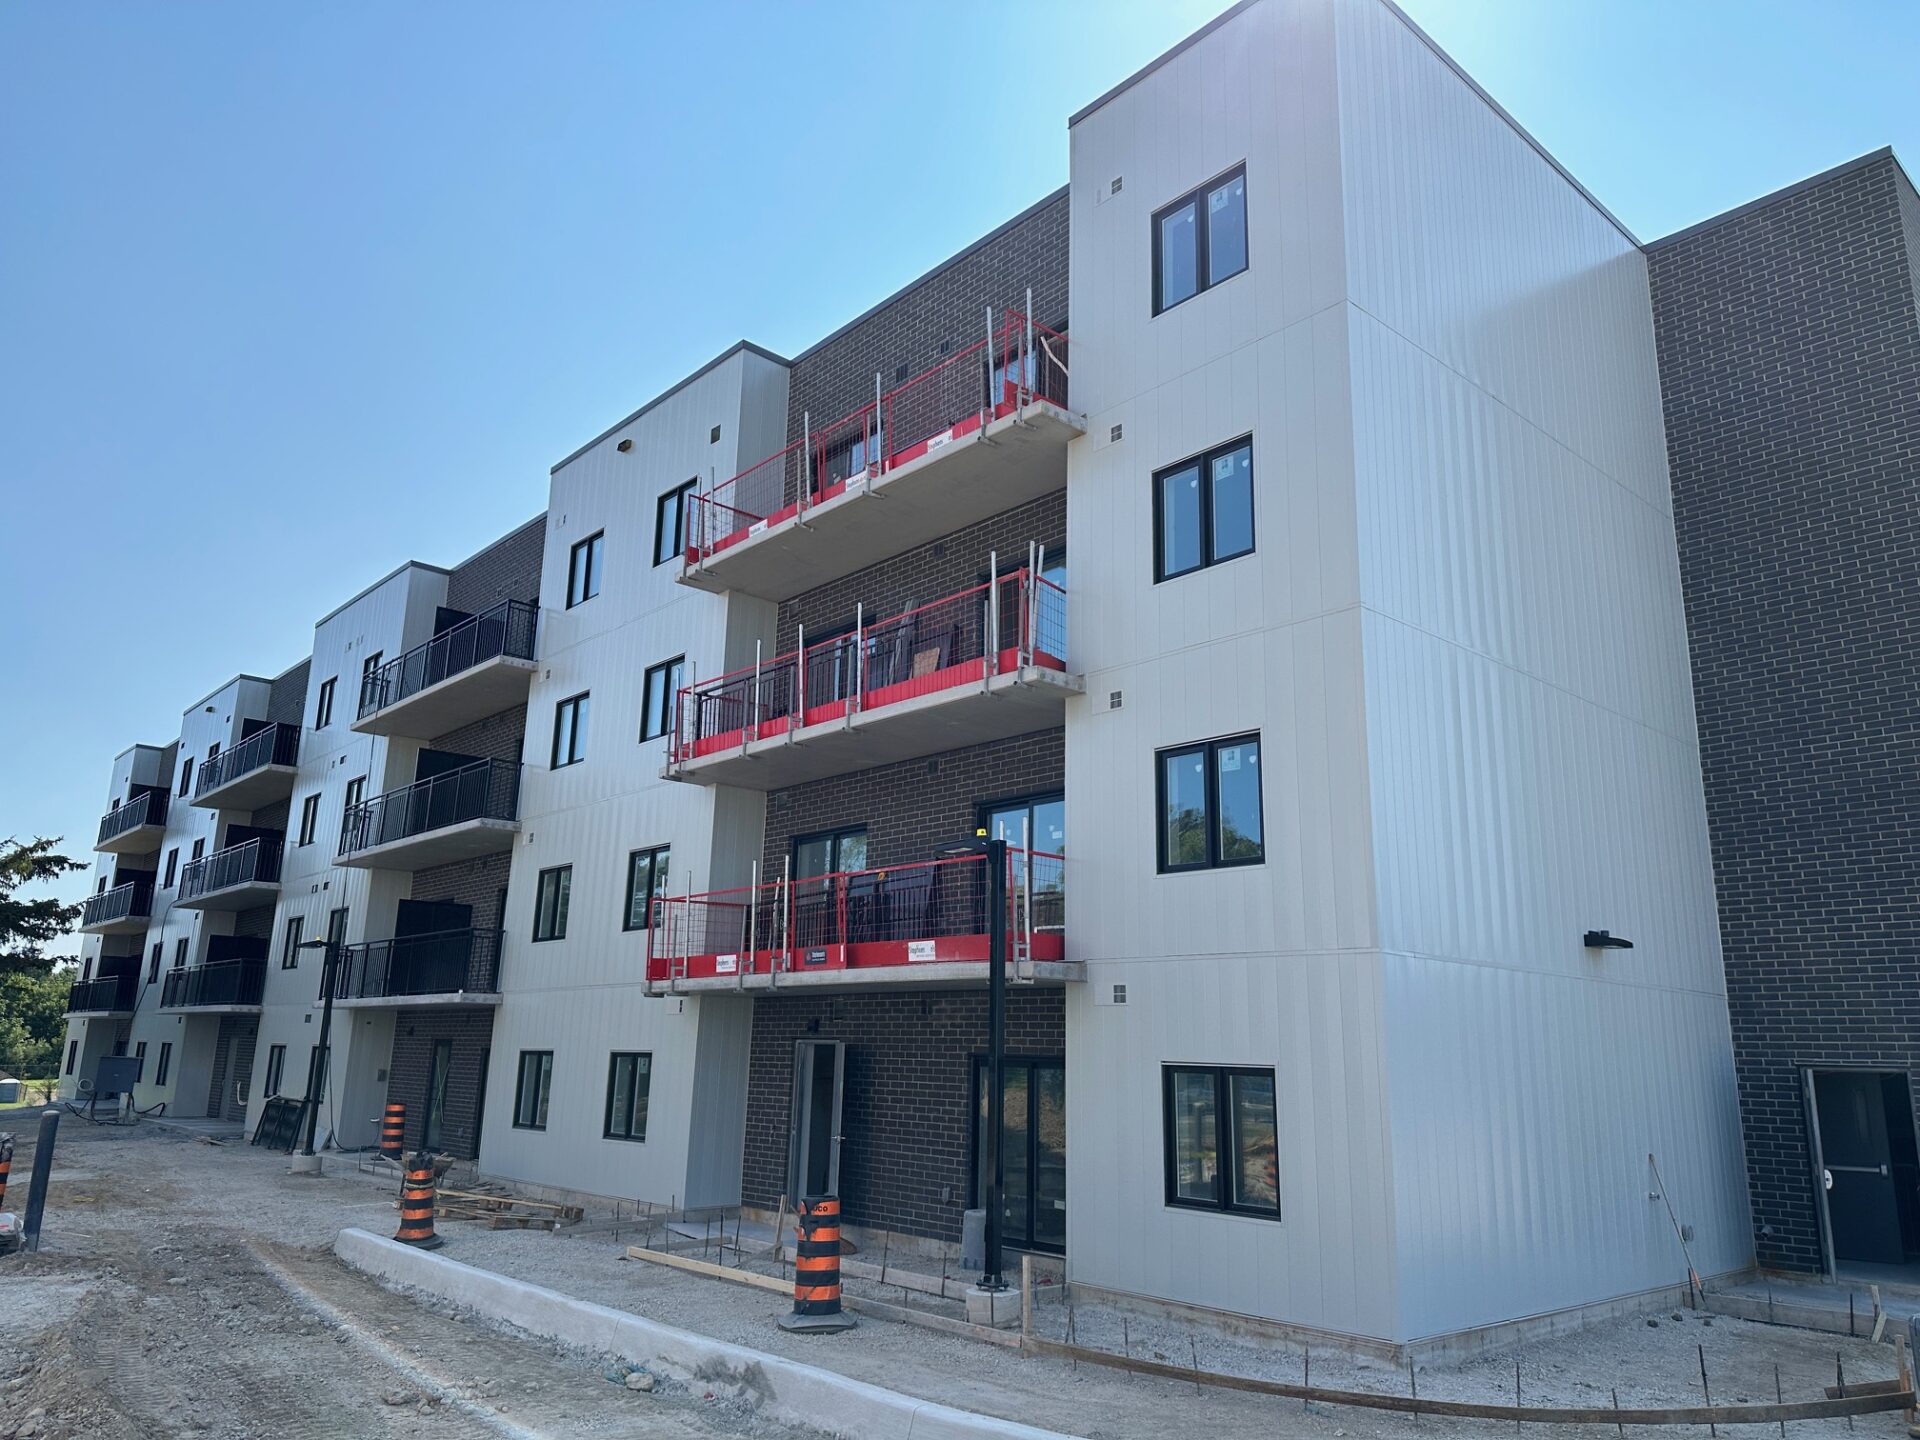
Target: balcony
135,828
239,877
223,985
108,995
256,772
474,669
911,685
463,813
903,926
457,967
123,910
982,432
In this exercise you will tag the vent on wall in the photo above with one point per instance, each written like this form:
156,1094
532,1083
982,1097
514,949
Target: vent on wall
1119,994
1114,434
1115,699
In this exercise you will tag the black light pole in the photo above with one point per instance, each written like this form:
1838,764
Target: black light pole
323,1056
996,852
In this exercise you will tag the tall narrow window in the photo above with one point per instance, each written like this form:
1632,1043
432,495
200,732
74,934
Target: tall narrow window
165,1066
337,927
180,952
629,1076
1203,510
323,712
290,943
276,1067
583,570
550,903
73,1053
1200,239
186,774
663,683
139,1061
646,878
530,1091
670,523
153,961
309,818
173,868
1222,1139
356,792
1210,805
318,1063
570,732
199,848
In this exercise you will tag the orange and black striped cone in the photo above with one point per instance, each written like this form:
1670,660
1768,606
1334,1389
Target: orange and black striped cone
393,1133
816,1269
416,1204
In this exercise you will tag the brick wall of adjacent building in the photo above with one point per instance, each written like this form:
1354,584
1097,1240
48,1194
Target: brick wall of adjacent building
913,809
508,569
414,1032
1789,351
476,883
939,316
287,696
948,566
906,1161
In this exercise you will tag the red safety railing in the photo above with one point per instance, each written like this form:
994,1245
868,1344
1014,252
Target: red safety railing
1010,366
999,625
902,915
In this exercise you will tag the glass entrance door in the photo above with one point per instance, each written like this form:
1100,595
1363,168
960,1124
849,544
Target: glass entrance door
436,1109
1033,1150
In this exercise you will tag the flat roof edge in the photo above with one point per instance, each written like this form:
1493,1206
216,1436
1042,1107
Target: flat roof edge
367,590
1785,192
667,394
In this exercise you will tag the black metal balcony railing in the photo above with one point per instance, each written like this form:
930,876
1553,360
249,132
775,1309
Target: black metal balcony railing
107,992
275,745
249,863
506,629
225,982
444,963
484,790
149,807
132,901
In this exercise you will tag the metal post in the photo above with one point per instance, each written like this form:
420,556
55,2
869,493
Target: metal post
753,907
800,711
1039,597
992,647
806,459
753,724
1029,367
877,458
859,656
986,415
37,1185
322,1057
786,931
996,853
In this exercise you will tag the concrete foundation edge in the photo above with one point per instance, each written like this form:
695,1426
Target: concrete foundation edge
801,1394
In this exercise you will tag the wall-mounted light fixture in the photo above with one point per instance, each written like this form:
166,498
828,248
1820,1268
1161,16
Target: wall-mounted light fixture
1605,940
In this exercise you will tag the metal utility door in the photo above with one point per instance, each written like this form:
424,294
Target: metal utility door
1855,1161
813,1143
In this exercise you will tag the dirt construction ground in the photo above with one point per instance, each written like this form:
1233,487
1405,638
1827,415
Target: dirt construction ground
188,1289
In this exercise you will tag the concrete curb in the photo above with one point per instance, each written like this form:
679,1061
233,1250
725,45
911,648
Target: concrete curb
800,1394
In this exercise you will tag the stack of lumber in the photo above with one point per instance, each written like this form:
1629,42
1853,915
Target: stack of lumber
501,1211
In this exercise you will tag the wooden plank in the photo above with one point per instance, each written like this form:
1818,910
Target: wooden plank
704,1267
1868,1387
1854,1404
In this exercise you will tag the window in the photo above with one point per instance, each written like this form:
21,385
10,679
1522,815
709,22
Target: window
165,1067
1203,511
186,774
323,712
583,570
317,1066
530,1091
550,903
646,878
663,684
356,792
153,961
213,752
570,732
670,523
337,927
73,1054
180,952
1210,805
309,818
100,887
139,1061
1200,240
368,668
290,947
173,868
1222,1139
830,853
276,1067
628,1077
199,848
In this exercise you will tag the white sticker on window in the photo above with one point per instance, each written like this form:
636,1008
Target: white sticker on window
1230,759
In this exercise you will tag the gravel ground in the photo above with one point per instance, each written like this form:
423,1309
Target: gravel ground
137,1209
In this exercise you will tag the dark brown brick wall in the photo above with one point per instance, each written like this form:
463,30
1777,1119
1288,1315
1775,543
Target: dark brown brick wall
913,809
906,1160
476,883
287,695
508,569
414,1031
948,566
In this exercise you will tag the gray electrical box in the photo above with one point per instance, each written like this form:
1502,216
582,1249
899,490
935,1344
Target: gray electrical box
115,1075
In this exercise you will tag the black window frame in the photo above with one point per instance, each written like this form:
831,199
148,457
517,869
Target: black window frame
1208,559
583,579
368,666
1204,279
520,1089
199,848
356,792
539,902
673,675
186,773
1227,1140
577,712
309,819
323,707
73,1054
180,952
643,1094
276,1068
291,935
835,835
1210,749
653,857
173,868
163,1067
139,1062
676,497
158,954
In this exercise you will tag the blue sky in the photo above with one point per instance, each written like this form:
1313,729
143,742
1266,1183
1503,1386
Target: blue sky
404,257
